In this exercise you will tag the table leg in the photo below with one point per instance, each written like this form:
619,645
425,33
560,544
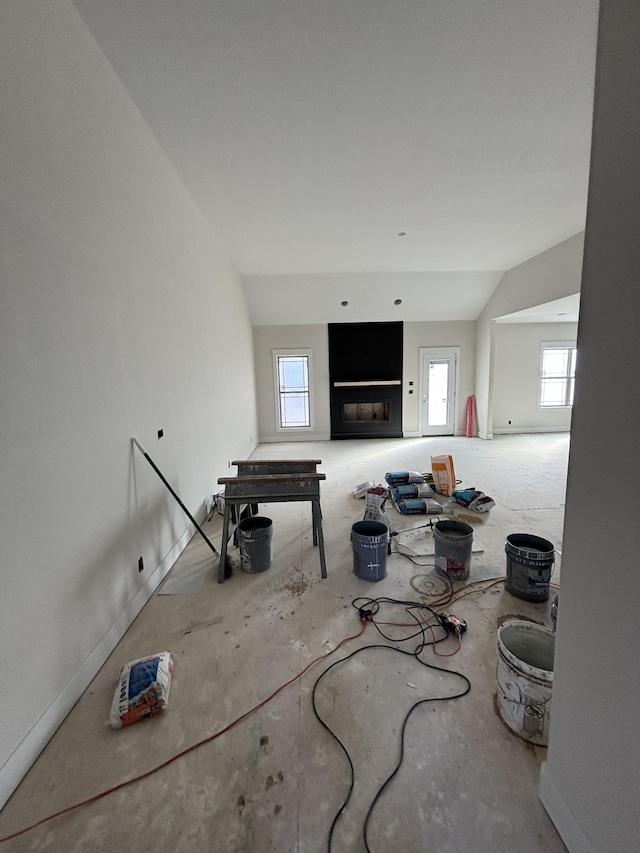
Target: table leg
316,513
225,538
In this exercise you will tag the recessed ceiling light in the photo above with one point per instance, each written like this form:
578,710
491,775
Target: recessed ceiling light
397,301
344,303
402,233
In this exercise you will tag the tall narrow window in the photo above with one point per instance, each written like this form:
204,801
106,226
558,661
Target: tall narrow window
557,375
293,388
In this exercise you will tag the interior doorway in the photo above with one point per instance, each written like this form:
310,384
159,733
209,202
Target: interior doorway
438,390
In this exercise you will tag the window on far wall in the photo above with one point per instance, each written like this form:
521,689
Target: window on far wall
293,389
557,375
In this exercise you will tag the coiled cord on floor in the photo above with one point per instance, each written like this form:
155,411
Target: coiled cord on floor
412,608
368,608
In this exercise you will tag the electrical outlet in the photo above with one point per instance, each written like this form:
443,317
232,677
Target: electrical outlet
160,433
140,564
509,423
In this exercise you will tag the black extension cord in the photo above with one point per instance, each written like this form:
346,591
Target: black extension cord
367,609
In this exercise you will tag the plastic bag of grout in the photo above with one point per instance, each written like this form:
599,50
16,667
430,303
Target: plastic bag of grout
143,689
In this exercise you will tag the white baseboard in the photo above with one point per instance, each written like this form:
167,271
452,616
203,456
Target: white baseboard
264,439
527,430
419,435
562,818
14,770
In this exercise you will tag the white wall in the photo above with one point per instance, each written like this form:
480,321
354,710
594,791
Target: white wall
516,389
548,276
452,334
311,336
119,312
591,781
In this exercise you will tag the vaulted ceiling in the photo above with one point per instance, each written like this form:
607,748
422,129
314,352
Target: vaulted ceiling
426,144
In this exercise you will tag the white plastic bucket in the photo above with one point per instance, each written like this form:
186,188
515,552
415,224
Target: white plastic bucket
525,679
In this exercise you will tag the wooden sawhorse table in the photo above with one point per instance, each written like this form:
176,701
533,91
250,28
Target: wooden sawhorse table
273,481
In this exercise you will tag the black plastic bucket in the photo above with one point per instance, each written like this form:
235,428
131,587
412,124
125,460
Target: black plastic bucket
254,543
453,541
370,540
529,566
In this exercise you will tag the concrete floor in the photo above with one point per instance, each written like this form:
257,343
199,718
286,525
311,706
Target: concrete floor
276,780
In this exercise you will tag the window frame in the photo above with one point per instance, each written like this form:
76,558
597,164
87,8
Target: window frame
298,352
563,345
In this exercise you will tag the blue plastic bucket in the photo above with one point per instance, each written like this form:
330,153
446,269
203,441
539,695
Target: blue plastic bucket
529,566
254,543
370,541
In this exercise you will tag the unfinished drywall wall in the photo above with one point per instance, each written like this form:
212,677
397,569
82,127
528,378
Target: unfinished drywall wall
548,276
313,337
120,315
516,389
452,334
590,783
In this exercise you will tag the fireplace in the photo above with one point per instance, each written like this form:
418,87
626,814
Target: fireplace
365,364
369,411
366,410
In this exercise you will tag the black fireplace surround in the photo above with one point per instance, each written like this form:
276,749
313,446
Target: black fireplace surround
365,371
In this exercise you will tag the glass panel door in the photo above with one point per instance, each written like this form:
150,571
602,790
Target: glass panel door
438,383
438,396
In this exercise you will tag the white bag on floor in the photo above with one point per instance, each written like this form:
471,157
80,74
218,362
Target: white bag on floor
143,689
374,505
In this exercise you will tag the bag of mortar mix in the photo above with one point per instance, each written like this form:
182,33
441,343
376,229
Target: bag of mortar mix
473,499
444,475
143,689
396,478
375,500
411,490
361,489
418,506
